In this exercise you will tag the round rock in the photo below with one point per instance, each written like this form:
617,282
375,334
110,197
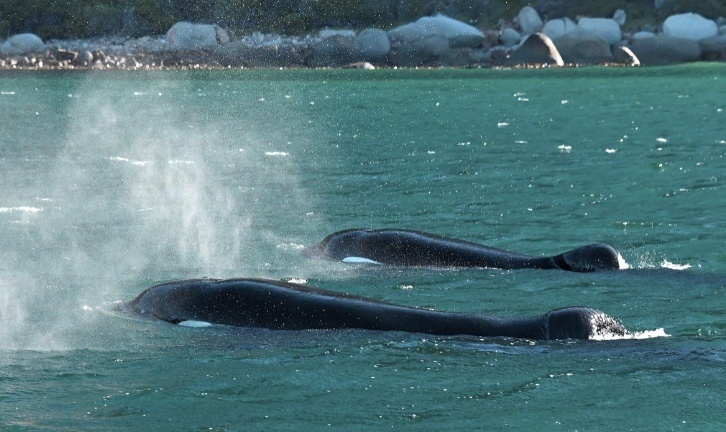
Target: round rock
528,20
371,45
558,27
186,36
689,26
606,28
21,44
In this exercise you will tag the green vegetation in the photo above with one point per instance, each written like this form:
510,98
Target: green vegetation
64,19
80,19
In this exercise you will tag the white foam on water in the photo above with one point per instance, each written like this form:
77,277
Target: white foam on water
647,334
179,162
130,161
604,330
671,266
276,153
290,247
299,281
622,264
21,209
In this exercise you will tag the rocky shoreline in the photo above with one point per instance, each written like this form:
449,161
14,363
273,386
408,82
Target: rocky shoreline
437,41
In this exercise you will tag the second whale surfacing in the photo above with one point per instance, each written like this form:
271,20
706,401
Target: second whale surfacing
286,306
400,247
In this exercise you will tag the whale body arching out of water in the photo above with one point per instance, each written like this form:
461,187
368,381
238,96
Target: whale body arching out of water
400,247
286,306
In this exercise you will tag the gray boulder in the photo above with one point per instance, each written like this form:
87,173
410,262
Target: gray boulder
619,17
332,51
664,50
510,37
186,36
558,27
536,49
643,34
464,57
456,33
583,47
689,26
21,44
420,52
371,45
528,20
606,28
713,49
238,54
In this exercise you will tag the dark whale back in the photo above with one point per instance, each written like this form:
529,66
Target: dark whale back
414,248
280,305
582,323
590,258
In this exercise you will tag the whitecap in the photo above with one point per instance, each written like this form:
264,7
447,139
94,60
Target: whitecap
129,161
290,246
276,153
179,162
21,209
564,148
299,281
669,265
647,334
622,264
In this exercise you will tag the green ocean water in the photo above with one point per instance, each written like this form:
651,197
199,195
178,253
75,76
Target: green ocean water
113,182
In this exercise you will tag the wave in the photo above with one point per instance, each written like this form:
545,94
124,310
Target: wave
647,334
21,209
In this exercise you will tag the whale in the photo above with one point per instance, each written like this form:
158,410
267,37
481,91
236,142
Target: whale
280,305
402,247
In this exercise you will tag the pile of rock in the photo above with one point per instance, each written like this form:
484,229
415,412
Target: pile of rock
429,41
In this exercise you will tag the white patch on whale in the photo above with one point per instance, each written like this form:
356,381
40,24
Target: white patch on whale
194,324
359,260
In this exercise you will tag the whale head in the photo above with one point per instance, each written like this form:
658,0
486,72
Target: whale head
590,258
582,323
